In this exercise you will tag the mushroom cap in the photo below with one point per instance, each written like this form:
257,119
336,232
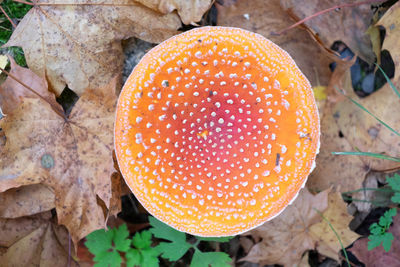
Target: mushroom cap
216,131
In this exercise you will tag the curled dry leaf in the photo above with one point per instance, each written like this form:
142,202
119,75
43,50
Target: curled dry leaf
190,11
12,92
288,236
26,200
72,156
391,22
268,17
348,24
337,215
35,241
378,257
79,44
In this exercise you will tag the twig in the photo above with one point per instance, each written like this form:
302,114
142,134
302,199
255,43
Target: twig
9,19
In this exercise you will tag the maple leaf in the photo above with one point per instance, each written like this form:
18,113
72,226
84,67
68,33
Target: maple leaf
190,11
35,241
378,257
267,17
336,214
12,92
288,236
26,200
349,24
72,156
78,43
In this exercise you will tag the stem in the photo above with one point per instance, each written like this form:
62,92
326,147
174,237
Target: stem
24,2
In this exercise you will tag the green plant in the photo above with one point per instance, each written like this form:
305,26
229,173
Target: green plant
379,231
11,11
379,234
109,247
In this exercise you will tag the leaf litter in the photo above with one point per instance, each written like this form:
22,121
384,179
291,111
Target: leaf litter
66,163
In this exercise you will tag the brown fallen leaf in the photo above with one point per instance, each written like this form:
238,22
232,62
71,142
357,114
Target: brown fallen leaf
378,257
71,156
26,200
348,24
35,241
336,214
12,92
190,11
78,43
288,236
364,132
391,22
267,17
346,173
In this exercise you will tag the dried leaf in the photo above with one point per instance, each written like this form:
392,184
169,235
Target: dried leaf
78,44
378,257
346,173
190,11
267,17
12,92
26,200
337,215
35,241
287,237
72,156
348,24
391,22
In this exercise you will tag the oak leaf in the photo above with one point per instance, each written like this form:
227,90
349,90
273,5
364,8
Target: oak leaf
288,236
78,43
70,155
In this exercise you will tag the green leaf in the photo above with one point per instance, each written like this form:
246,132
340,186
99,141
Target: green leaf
121,241
387,241
161,230
396,198
149,257
215,239
133,258
374,241
173,250
99,242
142,240
394,182
109,259
205,259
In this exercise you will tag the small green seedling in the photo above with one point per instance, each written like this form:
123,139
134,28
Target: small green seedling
379,234
112,247
178,246
379,231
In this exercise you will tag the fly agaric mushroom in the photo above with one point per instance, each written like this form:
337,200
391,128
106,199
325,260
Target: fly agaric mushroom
216,131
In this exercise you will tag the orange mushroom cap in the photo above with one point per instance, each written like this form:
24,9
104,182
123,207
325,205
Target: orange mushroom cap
216,131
